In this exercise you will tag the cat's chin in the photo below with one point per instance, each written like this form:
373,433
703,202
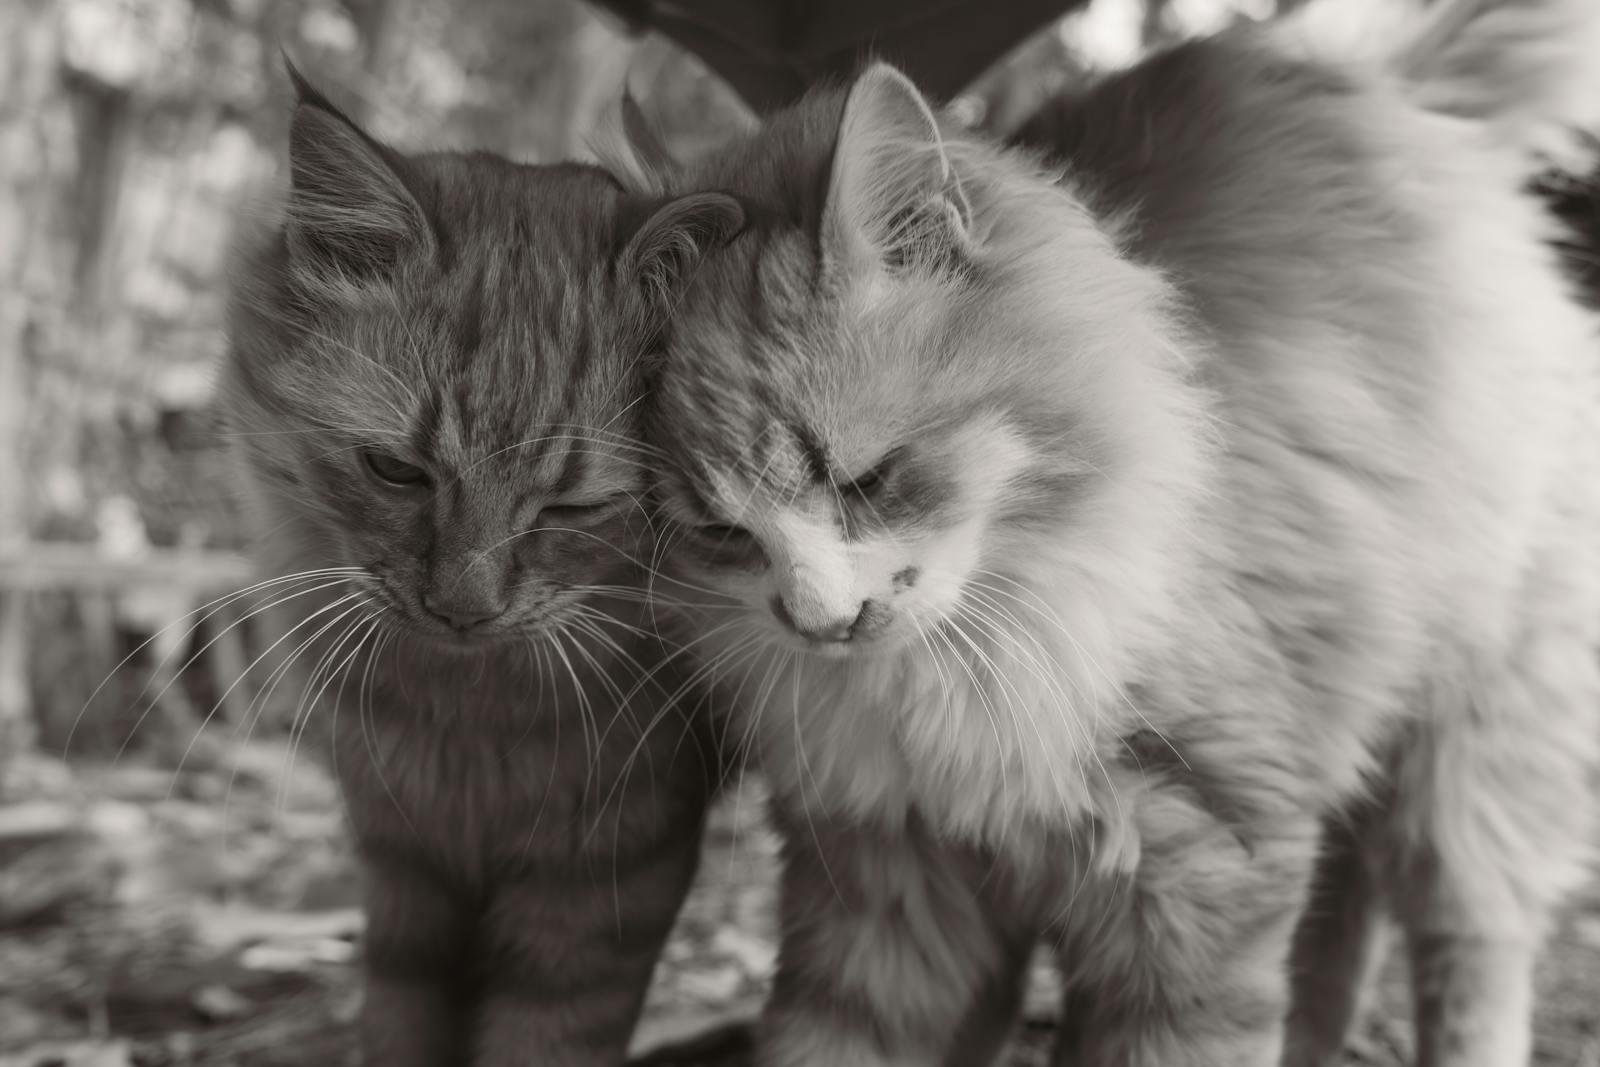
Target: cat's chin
861,648
438,642
826,650
448,642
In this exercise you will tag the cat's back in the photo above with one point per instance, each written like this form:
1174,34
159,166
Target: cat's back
1263,184
1397,360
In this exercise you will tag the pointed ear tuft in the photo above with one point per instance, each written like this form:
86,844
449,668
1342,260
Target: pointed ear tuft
304,91
351,214
647,144
628,145
893,196
664,252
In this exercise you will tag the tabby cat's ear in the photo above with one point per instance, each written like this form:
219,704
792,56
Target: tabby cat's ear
351,215
893,197
675,239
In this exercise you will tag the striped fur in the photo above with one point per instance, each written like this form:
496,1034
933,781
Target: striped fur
1113,545
434,381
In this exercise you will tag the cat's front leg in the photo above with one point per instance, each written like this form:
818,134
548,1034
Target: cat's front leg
417,958
1183,962
892,955
567,953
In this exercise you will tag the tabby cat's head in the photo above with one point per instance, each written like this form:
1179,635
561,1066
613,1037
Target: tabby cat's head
435,374
923,371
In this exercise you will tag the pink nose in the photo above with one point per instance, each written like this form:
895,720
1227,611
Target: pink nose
834,631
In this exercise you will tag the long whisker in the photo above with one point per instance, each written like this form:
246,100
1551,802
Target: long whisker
1037,605
177,674
365,627
585,713
205,611
369,730
256,710
806,773
215,707
668,707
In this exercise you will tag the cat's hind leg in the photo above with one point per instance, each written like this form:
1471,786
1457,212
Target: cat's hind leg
568,945
1342,938
1495,813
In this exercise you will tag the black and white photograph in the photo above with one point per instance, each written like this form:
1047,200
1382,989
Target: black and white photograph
799,533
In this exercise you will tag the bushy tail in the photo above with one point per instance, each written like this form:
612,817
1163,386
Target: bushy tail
1530,69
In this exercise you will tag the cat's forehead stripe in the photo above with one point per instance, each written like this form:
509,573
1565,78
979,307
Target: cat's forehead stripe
757,309
425,433
813,451
467,324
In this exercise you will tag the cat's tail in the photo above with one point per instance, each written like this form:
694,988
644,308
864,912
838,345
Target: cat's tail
1529,69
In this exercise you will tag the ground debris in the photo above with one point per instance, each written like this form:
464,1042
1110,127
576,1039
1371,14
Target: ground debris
154,920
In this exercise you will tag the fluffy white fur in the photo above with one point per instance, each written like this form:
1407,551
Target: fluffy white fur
1321,518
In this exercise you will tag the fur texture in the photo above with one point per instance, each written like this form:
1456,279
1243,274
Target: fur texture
1094,540
434,380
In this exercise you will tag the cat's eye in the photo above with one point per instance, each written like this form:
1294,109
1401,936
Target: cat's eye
873,480
575,514
721,533
395,472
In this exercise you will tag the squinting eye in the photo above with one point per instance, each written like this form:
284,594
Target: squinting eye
573,514
871,481
395,472
721,532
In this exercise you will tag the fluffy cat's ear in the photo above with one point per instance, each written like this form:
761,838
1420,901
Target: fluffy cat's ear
351,215
676,238
893,197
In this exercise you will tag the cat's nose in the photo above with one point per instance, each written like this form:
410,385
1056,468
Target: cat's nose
462,616
833,631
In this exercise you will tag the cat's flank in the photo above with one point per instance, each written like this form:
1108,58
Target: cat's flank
434,383
1112,542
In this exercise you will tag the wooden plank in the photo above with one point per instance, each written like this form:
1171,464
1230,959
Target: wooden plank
28,83
46,566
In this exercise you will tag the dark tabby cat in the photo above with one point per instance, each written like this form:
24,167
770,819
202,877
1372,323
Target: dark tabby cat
434,379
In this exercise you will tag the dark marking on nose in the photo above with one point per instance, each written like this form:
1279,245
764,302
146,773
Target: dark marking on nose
905,578
873,617
781,610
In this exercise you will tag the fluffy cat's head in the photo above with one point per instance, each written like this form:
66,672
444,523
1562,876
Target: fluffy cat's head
923,375
434,375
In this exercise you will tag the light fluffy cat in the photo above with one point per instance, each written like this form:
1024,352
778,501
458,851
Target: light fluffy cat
1091,539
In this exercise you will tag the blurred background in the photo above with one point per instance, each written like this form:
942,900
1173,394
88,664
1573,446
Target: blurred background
174,883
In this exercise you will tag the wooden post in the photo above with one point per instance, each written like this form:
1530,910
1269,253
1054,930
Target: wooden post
29,58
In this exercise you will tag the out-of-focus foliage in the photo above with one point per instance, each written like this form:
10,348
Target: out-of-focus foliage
150,136
157,133
142,141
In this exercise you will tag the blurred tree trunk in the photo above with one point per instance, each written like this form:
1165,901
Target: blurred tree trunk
29,258
378,23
